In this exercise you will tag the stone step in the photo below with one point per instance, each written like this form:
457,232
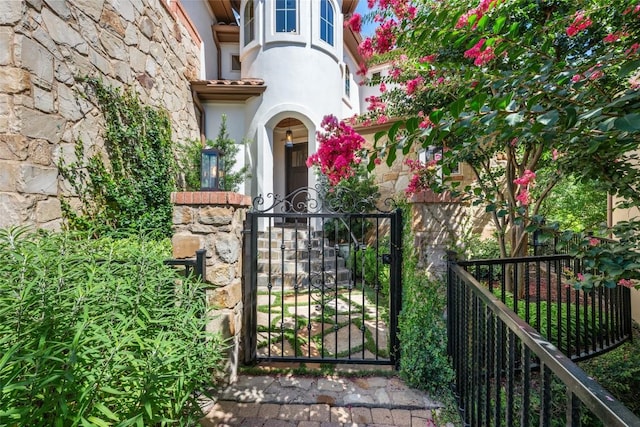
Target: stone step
277,243
343,278
299,254
291,266
289,233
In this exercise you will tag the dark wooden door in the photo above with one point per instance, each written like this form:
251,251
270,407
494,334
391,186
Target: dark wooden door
297,176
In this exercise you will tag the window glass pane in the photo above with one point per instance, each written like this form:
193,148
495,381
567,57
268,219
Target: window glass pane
326,21
249,20
291,21
286,16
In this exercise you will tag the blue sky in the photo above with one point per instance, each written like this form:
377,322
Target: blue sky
367,28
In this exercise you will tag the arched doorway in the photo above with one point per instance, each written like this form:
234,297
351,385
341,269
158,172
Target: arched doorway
294,142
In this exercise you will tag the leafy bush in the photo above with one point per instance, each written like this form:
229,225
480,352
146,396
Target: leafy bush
424,363
189,160
132,187
357,194
619,371
98,332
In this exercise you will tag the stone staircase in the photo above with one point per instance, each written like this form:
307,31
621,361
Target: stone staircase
299,257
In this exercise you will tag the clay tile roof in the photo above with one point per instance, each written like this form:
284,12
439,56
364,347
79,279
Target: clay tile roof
233,90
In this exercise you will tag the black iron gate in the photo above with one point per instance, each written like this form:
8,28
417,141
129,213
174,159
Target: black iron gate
322,280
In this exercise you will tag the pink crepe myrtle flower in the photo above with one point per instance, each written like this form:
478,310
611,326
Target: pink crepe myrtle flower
594,241
355,22
554,154
633,49
429,59
580,22
365,48
362,69
580,277
612,37
383,87
626,283
576,78
413,84
479,11
523,197
526,178
480,57
338,150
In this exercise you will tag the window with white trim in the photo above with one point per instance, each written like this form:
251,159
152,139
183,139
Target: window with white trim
249,23
326,21
286,16
347,81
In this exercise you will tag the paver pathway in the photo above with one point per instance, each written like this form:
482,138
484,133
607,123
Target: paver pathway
295,401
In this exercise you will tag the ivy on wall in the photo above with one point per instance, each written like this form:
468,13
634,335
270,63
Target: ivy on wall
130,187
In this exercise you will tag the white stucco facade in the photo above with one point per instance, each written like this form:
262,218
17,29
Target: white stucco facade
303,74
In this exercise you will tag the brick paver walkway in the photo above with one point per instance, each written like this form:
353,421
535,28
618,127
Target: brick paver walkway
290,401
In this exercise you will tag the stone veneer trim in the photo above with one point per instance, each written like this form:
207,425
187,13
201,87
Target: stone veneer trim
210,197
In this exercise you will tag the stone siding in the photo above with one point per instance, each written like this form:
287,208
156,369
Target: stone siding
214,221
439,224
45,46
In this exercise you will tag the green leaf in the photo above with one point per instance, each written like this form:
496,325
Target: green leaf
457,107
490,208
499,24
628,123
514,118
393,131
478,101
628,67
572,117
97,421
436,116
549,118
106,411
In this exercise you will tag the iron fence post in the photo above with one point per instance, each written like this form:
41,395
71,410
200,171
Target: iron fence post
201,264
395,284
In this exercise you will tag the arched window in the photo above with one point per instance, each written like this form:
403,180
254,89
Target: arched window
326,21
347,81
249,23
286,16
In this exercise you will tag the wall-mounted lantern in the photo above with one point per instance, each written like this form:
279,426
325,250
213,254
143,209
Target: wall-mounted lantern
211,171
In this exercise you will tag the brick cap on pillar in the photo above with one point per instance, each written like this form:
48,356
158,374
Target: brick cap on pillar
428,196
225,198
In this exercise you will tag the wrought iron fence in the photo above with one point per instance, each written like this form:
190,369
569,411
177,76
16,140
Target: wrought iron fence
581,323
508,374
196,266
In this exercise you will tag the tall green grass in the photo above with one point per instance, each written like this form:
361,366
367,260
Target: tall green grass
98,332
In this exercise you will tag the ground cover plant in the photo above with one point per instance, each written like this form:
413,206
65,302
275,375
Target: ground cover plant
99,332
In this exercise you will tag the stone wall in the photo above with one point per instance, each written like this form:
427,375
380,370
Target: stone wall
45,45
214,221
439,224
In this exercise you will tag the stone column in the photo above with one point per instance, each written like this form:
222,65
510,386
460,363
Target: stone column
214,221
439,223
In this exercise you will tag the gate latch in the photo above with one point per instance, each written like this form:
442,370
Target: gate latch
386,259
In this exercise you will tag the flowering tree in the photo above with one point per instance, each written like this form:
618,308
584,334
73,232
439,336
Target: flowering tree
339,150
511,86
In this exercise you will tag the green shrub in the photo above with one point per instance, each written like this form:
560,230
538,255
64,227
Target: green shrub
189,161
424,363
619,371
98,332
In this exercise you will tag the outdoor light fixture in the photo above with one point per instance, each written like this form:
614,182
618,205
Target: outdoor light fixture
211,172
288,138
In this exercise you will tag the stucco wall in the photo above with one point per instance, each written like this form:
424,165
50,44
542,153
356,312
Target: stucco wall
44,47
627,215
